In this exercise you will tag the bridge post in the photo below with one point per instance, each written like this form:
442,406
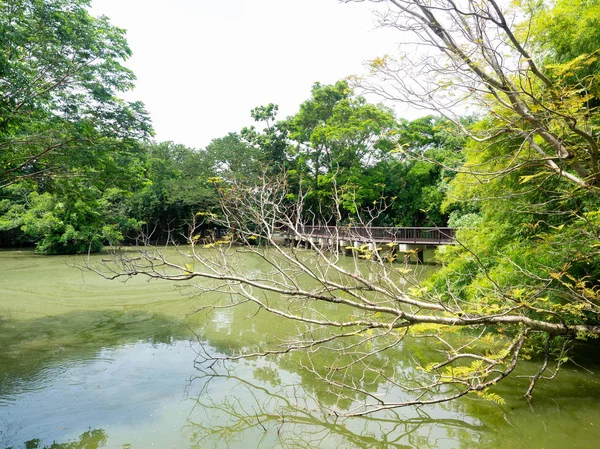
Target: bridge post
344,247
334,244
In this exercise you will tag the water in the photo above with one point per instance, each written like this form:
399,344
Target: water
90,363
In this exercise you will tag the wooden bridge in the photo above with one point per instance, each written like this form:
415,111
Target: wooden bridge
422,236
407,240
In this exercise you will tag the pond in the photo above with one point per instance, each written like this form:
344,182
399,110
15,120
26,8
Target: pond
91,363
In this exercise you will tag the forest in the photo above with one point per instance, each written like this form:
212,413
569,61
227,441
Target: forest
519,177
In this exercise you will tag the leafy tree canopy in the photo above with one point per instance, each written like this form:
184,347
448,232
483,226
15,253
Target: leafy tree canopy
60,73
69,145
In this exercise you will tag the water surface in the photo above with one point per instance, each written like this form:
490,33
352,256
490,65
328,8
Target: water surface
91,363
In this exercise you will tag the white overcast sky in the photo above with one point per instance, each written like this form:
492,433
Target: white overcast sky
202,65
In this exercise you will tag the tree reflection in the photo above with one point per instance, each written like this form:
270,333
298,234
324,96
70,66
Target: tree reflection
92,439
273,410
345,375
31,347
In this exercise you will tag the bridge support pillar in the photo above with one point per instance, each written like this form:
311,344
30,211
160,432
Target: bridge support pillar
333,244
296,241
344,247
351,244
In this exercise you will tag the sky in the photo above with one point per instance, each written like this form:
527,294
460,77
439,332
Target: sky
202,65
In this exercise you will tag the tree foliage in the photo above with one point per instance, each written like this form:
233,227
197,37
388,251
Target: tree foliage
337,136
175,186
70,151
522,179
523,278
472,56
535,244
272,143
60,73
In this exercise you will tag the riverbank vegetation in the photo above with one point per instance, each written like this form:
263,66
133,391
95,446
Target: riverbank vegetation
519,176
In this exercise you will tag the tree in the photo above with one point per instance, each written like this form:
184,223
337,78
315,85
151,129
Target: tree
564,30
337,135
535,150
232,157
478,59
272,142
81,210
532,163
427,157
60,71
175,186
531,172
68,143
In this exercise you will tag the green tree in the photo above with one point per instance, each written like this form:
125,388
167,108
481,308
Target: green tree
536,235
175,188
233,158
272,141
532,172
60,73
429,152
337,135
82,209
564,30
69,143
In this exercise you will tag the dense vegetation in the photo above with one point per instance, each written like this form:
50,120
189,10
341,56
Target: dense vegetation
78,171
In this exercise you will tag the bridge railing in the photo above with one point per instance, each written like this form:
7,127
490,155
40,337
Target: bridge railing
430,235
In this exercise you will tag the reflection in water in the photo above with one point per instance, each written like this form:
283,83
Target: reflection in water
78,354
141,394
270,412
136,393
92,439
32,350
258,404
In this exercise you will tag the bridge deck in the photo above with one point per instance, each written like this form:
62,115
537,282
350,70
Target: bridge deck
419,236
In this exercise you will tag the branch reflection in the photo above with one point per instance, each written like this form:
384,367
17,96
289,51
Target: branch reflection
274,410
